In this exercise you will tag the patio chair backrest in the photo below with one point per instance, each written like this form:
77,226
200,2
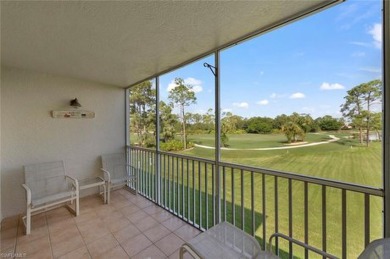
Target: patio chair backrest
45,178
116,164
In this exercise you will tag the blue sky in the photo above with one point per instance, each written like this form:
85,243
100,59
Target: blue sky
304,67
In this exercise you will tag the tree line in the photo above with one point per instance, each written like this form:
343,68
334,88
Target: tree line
356,110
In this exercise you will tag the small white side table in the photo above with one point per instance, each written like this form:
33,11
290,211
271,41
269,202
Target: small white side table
94,182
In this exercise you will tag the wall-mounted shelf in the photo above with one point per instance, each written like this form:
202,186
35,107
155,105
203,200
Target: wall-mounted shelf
73,114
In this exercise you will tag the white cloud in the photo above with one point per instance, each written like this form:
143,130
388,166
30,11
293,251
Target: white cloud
195,83
358,54
197,88
244,105
297,95
376,33
226,110
329,86
362,44
371,69
263,102
273,95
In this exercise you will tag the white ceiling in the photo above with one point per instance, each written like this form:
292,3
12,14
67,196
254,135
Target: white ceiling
124,42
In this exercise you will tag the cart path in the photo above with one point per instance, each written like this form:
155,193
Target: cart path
333,139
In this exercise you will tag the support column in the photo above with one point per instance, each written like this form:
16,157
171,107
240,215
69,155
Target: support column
217,208
386,115
157,158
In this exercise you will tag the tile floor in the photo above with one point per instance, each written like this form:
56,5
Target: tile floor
129,227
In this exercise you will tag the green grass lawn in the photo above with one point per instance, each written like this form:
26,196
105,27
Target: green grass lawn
344,160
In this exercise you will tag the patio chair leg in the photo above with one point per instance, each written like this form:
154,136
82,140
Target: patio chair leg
77,204
105,194
28,221
108,192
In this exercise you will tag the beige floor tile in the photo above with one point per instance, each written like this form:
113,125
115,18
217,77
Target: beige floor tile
153,209
102,245
126,233
143,203
135,217
120,203
117,224
101,231
111,214
104,211
60,234
33,249
93,230
169,244
36,232
63,244
173,223
136,244
115,253
85,216
187,232
128,210
146,223
8,237
58,214
10,222
152,252
162,216
80,253
156,233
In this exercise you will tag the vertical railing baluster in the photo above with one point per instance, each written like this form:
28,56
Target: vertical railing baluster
177,187
276,190
182,189
206,195
213,193
200,195
193,193
324,221
306,205
264,211
233,203
366,219
344,223
164,180
224,192
253,204
188,191
242,200
169,190
290,217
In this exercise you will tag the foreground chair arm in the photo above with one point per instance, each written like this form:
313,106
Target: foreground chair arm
297,242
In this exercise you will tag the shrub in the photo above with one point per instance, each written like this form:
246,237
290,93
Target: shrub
174,145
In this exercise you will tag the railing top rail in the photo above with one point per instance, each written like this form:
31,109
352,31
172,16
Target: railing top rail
310,179
287,175
205,160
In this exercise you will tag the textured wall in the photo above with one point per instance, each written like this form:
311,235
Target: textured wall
30,135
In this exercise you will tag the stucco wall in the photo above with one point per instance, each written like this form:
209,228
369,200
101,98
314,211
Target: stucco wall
30,135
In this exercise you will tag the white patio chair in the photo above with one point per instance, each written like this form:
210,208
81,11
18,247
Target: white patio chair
118,173
46,187
377,249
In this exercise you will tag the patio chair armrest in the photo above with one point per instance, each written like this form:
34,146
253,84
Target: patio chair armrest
28,192
107,174
74,181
